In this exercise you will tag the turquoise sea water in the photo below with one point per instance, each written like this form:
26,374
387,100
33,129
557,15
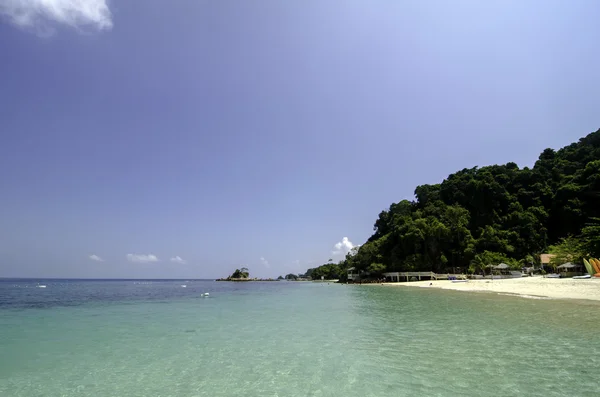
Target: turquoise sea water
128,338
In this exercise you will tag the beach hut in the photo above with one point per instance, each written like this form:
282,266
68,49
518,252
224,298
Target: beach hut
570,269
545,260
502,269
496,271
353,276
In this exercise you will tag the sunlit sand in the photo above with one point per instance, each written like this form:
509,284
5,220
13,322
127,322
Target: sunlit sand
558,288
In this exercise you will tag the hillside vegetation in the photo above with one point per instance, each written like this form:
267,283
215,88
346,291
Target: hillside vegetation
492,213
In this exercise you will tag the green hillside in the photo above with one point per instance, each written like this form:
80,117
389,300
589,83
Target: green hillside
498,212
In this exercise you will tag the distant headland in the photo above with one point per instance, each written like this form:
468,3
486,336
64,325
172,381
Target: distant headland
243,274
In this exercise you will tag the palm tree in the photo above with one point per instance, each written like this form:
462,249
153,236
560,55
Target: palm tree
479,263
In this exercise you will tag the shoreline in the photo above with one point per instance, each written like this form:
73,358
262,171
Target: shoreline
245,280
527,287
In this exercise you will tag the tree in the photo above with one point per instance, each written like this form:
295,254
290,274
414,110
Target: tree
568,249
291,277
327,271
497,213
376,269
240,273
483,262
591,238
527,261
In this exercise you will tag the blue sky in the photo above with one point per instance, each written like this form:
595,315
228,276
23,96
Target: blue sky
227,133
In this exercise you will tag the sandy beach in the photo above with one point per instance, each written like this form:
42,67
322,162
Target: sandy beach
556,288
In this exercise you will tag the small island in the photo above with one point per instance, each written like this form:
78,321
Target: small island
243,275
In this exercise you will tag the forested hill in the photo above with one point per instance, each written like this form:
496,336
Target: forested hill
499,211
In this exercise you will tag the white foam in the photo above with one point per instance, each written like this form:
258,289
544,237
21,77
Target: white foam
527,296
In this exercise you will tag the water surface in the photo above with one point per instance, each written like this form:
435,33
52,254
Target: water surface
155,338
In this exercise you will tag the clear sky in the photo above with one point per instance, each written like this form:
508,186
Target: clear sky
187,138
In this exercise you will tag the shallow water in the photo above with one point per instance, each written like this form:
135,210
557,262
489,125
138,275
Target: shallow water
132,338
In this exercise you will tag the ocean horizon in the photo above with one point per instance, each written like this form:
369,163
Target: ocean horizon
153,337
118,278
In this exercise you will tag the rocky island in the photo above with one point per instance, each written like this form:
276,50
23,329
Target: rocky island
243,275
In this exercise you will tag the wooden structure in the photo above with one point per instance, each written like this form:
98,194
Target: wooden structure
353,276
418,276
545,259
570,269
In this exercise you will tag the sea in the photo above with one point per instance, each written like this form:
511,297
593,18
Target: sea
157,338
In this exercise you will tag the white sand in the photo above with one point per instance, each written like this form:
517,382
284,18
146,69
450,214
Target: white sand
558,288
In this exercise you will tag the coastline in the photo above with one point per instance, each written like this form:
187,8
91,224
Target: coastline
553,288
244,280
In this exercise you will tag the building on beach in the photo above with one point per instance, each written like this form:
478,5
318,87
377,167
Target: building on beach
545,259
570,269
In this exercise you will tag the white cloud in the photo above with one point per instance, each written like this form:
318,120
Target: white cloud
40,15
178,259
342,248
96,258
264,262
142,258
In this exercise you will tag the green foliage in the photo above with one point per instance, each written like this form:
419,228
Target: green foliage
482,263
591,238
240,273
329,271
291,277
528,261
280,278
376,269
492,214
568,249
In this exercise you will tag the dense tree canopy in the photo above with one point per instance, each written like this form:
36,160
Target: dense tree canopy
240,273
328,271
492,213
568,249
